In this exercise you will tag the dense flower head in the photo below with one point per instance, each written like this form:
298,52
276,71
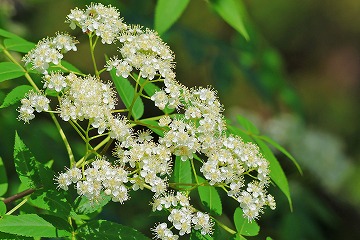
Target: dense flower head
144,161
33,101
50,50
182,215
145,51
87,98
104,21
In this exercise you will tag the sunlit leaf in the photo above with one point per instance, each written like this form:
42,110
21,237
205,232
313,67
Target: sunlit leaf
247,125
283,150
9,70
232,12
182,173
3,178
210,197
7,34
243,226
18,45
30,225
167,12
102,229
276,172
15,95
127,93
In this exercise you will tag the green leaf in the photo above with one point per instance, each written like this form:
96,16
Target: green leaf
3,178
102,229
85,206
9,70
243,226
196,235
25,162
240,133
232,12
167,12
268,238
2,208
15,95
18,45
7,236
31,225
7,34
209,197
283,150
247,125
276,172
52,200
127,93
182,173
153,126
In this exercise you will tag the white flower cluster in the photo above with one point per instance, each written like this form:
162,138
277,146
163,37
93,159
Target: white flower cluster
182,216
153,161
145,51
104,21
101,176
227,161
202,130
50,50
87,98
33,101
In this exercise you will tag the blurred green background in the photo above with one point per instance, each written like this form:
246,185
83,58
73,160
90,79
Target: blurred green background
298,79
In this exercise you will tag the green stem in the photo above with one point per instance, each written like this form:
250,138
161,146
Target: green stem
226,228
17,207
92,52
32,83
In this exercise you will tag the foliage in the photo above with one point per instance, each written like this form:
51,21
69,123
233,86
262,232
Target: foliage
173,155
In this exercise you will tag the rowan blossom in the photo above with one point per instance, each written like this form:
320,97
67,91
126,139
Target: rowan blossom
49,50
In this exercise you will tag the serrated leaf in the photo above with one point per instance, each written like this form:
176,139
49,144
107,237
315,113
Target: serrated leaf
247,125
85,206
52,200
15,95
30,225
127,93
102,229
3,178
232,12
18,45
209,197
25,162
2,208
283,150
167,12
276,172
182,173
243,226
9,70
153,126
